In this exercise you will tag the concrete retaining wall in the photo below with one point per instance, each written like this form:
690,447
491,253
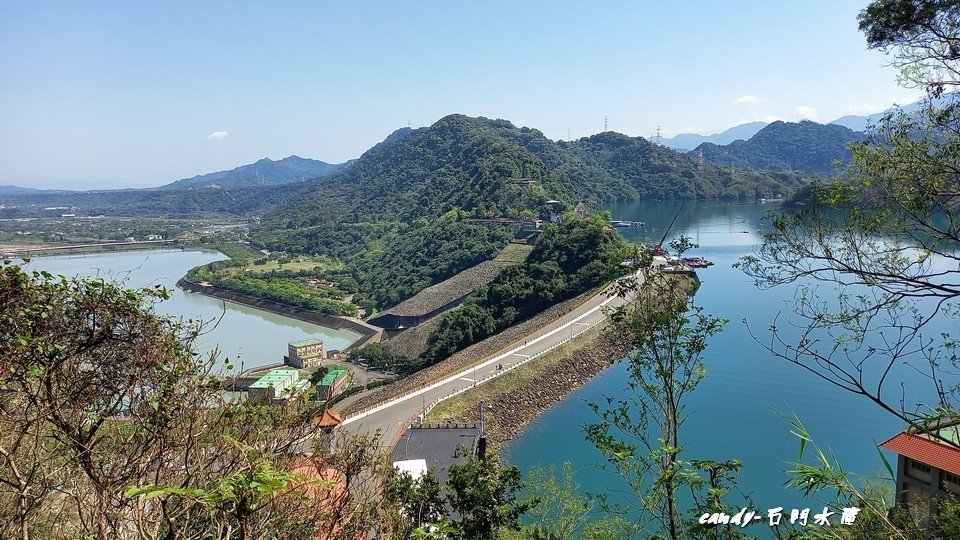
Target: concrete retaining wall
368,333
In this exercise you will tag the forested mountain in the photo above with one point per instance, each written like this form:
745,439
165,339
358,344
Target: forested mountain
689,141
410,193
262,173
174,203
783,146
471,167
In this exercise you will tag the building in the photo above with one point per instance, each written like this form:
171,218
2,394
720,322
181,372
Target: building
326,423
326,490
928,467
437,447
153,237
333,384
306,353
276,384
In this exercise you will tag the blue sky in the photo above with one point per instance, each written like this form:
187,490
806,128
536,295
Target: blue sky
133,94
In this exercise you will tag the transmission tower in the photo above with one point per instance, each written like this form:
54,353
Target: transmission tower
700,159
604,123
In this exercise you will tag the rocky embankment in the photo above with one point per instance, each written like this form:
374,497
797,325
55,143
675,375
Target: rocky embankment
470,356
507,413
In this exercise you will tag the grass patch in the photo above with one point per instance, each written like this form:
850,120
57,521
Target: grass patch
513,253
529,373
296,265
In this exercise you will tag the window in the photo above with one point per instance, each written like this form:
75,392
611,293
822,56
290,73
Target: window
950,482
919,470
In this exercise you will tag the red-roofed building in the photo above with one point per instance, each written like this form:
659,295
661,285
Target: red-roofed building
928,467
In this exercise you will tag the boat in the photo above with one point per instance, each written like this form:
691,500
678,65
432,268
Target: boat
697,262
621,224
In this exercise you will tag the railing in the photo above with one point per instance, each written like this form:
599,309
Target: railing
462,373
416,419
496,373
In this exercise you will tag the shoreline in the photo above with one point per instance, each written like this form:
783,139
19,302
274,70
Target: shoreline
366,333
11,251
507,412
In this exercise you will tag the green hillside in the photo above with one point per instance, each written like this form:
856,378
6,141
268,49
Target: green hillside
395,215
783,146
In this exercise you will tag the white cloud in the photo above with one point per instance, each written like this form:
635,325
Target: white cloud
864,109
768,118
218,135
908,96
747,99
806,112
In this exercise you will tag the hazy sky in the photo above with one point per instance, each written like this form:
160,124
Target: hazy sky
138,94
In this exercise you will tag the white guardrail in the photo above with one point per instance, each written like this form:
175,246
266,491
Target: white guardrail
429,407
463,373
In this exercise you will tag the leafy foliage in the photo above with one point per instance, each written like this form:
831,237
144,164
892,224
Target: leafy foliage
568,259
638,432
423,256
484,496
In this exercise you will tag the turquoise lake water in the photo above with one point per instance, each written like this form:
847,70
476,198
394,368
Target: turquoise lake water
730,412
249,337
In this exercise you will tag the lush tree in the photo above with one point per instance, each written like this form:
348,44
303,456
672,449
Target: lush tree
113,426
921,38
484,495
568,259
419,504
883,238
874,255
639,432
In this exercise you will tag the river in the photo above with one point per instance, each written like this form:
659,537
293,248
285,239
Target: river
247,336
731,413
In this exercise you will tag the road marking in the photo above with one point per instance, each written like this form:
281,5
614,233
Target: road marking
467,379
522,355
455,376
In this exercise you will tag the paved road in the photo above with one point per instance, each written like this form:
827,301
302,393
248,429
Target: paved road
392,417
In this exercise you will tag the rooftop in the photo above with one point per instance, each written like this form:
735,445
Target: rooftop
925,450
436,446
329,419
274,377
306,342
332,376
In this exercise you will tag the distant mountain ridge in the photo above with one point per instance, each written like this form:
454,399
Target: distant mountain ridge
18,190
262,173
689,141
785,146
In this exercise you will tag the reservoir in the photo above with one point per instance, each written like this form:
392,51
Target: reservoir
731,414
247,336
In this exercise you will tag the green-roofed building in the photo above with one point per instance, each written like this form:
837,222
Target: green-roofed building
333,384
275,384
306,353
